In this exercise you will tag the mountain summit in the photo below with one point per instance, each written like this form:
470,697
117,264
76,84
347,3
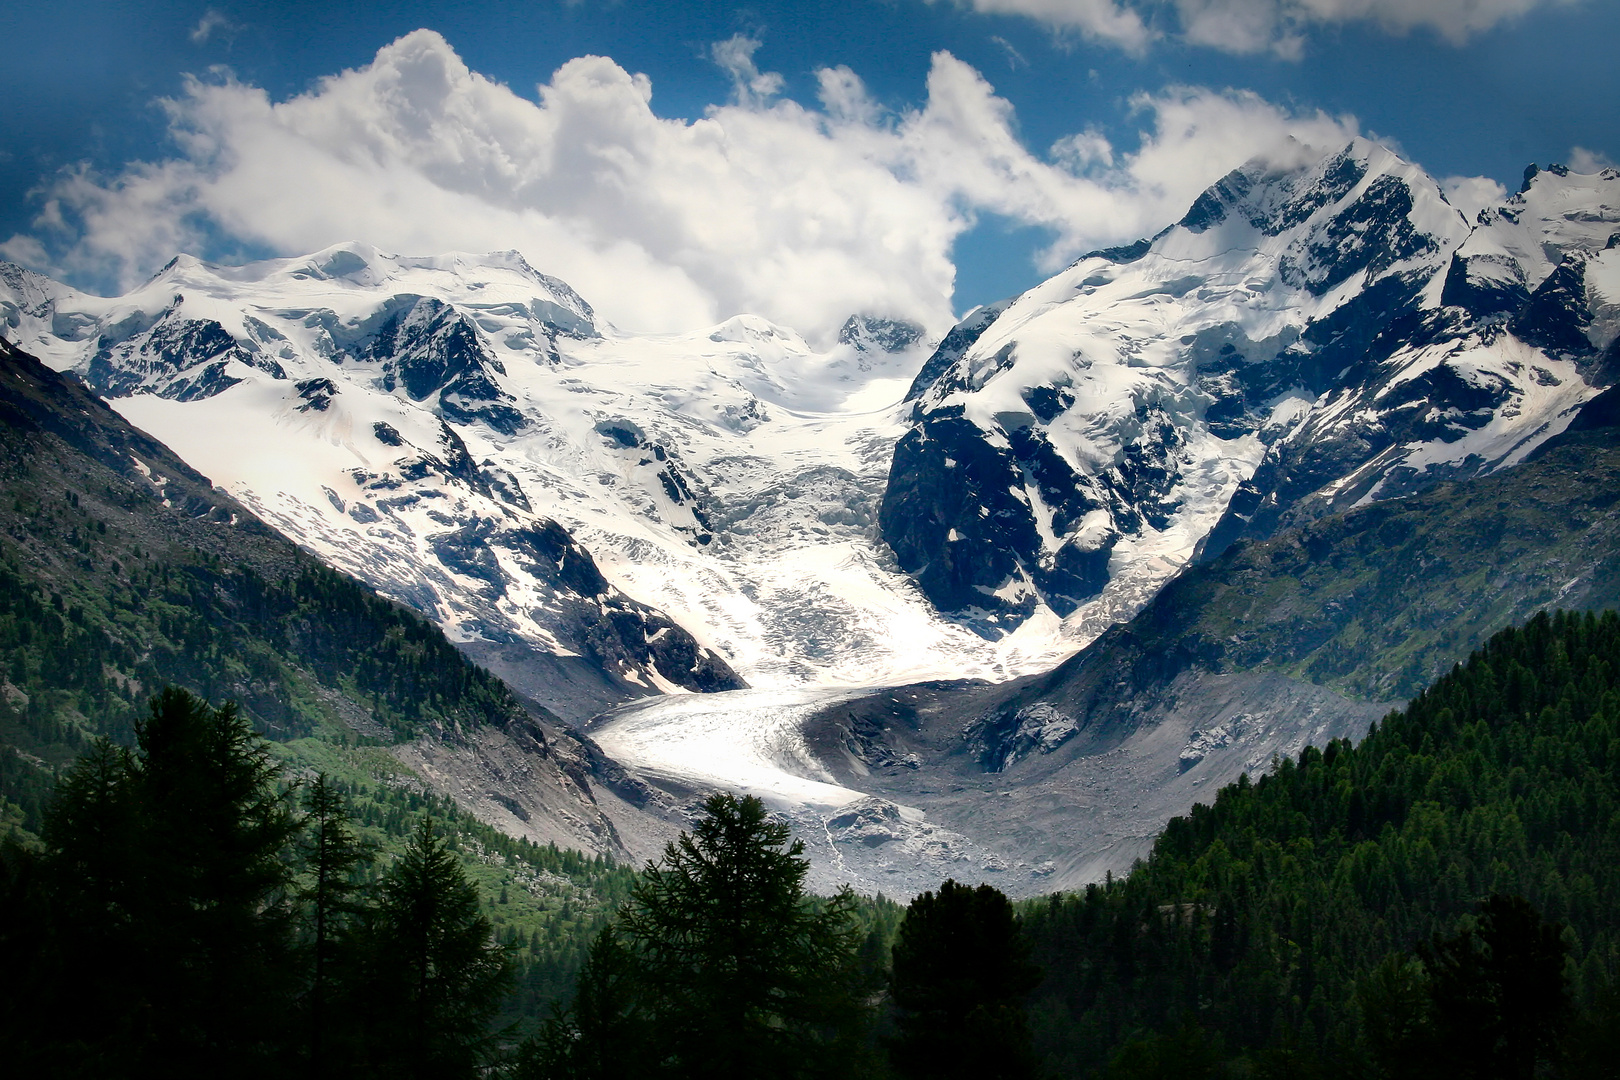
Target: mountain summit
1320,329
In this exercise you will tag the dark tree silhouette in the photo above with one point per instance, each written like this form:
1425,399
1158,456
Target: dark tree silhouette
1498,998
331,854
606,1033
432,975
721,965
215,830
169,865
961,975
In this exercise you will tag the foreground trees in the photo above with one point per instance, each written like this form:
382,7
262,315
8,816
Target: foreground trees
184,920
961,975
720,966
1266,924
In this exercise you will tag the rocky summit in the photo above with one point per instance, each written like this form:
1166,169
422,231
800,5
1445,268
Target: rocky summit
1320,330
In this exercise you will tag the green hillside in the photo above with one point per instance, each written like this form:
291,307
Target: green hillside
1379,601
1247,934
123,571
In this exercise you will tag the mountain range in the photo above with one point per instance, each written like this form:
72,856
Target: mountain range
1210,441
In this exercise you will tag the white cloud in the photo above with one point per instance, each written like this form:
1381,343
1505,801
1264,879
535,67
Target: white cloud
1098,20
25,250
735,56
211,23
1455,20
1582,160
1015,59
1252,26
801,215
1471,194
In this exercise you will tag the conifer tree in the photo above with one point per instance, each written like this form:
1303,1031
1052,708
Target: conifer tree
721,965
1498,999
433,976
606,1033
214,837
169,864
331,855
961,975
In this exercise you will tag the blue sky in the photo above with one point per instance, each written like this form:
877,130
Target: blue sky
95,181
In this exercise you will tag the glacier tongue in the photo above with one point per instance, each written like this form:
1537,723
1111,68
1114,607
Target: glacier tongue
670,512
1320,328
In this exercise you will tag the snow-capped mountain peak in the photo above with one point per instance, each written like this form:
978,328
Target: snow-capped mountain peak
419,421
1321,327
1297,341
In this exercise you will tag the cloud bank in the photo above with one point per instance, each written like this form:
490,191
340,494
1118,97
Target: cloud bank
801,214
1252,26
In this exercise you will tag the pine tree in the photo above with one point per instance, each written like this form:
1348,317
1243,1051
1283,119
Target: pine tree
961,975
606,1033
331,855
166,871
722,966
1498,999
215,831
433,976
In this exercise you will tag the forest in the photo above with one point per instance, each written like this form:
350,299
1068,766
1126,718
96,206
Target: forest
1437,898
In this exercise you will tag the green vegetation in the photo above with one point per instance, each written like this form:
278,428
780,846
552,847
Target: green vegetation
720,965
167,924
1256,930
123,571
1437,899
176,890
545,903
961,972
1378,602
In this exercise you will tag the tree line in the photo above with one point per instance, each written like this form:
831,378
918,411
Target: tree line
1419,901
188,913
1437,899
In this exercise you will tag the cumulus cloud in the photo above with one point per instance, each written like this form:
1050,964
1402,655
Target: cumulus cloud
1471,194
735,56
210,24
1582,160
803,215
1252,26
1098,20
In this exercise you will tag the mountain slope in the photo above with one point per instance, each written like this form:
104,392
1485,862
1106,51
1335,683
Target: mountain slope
125,570
1297,640
1319,330
1257,915
413,420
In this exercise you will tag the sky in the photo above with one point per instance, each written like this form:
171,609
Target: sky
680,163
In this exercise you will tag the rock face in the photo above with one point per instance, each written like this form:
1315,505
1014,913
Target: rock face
1319,329
349,350
156,520
1308,636
426,424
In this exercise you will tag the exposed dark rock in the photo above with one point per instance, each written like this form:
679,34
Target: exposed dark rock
427,347
317,394
181,359
951,516
1556,316
954,346
1486,285
869,332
